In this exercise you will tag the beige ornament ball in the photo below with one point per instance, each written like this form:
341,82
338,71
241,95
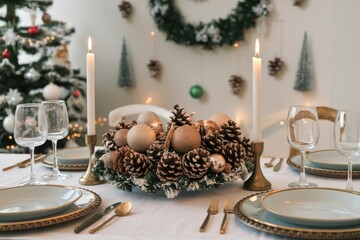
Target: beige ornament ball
120,137
149,118
210,126
140,137
217,163
107,159
220,119
185,139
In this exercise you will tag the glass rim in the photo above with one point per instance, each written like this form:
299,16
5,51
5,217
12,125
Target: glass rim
28,105
53,101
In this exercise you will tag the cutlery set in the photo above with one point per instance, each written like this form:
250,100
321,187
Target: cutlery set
25,163
277,166
214,209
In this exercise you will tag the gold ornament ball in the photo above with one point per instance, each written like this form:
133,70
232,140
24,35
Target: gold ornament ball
120,137
140,137
185,139
148,118
107,159
217,163
220,119
210,126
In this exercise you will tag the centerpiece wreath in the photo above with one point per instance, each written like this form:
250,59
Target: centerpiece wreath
223,31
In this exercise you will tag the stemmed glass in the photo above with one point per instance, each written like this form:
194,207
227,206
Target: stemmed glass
347,138
58,128
30,131
303,135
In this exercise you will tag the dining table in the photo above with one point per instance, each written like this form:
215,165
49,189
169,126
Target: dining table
154,216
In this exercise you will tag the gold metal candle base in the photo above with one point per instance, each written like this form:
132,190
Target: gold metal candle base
257,181
89,178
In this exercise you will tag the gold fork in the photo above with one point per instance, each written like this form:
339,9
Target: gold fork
228,208
213,209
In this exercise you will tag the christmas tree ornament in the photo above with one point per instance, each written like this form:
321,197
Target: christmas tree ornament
10,37
185,139
220,119
107,159
52,92
13,97
33,30
262,10
76,93
125,78
154,68
6,53
46,18
140,137
236,84
210,126
275,66
217,163
196,91
150,118
125,9
32,75
196,163
120,137
169,168
304,75
298,2
8,123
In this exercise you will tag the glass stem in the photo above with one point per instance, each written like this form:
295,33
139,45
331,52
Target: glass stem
32,161
349,185
302,178
55,165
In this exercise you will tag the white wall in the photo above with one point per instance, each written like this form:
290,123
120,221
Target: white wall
333,36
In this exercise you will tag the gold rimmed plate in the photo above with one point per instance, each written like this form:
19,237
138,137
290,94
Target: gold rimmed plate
87,203
250,212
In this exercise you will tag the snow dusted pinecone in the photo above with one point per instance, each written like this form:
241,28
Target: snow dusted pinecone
118,159
246,143
156,151
196,163
137,164
169,168
229,132
179,117
234,154
211,142
108,140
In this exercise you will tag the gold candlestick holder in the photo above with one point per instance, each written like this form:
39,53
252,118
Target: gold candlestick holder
89,178
257,181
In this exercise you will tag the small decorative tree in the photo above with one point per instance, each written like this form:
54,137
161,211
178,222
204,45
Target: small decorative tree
304,75
125,76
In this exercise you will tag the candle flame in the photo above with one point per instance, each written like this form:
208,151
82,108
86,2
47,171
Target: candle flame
257,48
89,45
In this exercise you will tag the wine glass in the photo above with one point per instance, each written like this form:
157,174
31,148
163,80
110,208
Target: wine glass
30,131
303,135
347,138
57,128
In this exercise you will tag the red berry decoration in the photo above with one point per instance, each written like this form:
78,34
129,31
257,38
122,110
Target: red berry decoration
33,30
6,53
76,93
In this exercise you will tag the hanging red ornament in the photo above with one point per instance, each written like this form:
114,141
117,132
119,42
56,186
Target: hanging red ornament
33,30
6,53
76,93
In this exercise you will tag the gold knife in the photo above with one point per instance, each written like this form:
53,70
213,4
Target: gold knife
278,165
37,157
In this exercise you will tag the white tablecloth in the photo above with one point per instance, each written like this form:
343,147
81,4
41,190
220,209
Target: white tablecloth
154,216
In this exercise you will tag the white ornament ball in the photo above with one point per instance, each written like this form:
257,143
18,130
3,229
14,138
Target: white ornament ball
217,163
140,137
8,123
52,92
149,118
107,159
185,139
220,119
120,137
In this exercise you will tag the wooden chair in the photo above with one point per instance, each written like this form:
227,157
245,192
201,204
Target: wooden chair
120,113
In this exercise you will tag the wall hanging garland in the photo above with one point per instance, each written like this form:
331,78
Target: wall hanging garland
219,32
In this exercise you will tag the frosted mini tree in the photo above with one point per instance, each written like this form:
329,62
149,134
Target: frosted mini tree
304,75
125,77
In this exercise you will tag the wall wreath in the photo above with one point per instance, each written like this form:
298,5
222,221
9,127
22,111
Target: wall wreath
219,32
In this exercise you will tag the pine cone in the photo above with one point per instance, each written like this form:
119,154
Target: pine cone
274,66
211,142
298,2
125,9
236,84
156,151
246,144
179,117
169,168
137,164
234,154
229,132
154,68
118,159
108,142
196,163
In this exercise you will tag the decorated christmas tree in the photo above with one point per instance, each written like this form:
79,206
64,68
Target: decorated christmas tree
34,66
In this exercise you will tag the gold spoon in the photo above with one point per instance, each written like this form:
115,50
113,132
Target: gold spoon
121,210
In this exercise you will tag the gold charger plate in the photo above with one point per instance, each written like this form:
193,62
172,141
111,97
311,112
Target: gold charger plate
310,168
250,212
48,161
87,203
